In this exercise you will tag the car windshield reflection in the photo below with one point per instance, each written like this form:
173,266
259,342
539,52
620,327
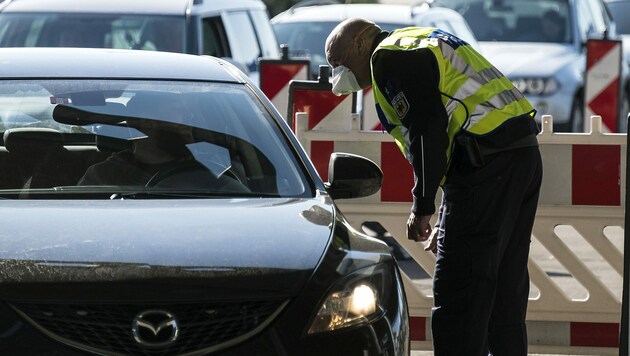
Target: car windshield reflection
515,20
142,139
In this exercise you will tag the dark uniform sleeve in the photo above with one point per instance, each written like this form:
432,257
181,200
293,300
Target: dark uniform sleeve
413,77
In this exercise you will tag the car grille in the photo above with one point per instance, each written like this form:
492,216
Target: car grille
107,328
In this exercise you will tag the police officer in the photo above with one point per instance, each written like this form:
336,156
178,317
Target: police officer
463,126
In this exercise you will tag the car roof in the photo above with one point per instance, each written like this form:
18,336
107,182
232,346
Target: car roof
157,7
379,13
112,63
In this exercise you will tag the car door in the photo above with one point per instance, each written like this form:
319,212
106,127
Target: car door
592,19
241,37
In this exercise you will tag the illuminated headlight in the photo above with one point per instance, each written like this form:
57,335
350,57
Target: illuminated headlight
536,86
359,299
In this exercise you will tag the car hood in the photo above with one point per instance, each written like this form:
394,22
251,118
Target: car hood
273,244
515,59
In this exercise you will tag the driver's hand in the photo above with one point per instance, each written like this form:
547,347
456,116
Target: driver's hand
418,227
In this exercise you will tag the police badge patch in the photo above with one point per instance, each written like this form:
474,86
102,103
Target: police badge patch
400,104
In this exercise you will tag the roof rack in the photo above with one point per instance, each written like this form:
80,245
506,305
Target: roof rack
421,4
4,4
305,3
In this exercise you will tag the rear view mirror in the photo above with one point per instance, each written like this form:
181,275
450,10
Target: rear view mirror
352,176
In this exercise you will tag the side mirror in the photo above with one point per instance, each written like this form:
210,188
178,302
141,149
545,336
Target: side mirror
352,176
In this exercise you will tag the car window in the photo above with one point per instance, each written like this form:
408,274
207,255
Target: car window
164,33
241,31
103,137
307,39
515,20
458,28
215,41
619,11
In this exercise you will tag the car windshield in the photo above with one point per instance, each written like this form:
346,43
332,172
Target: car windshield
65,139
307,39
515,20
163,33
619,11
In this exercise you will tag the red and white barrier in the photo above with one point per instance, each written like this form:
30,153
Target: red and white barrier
326,111
545,336
583,185
369,116
587,170
276,75
602,83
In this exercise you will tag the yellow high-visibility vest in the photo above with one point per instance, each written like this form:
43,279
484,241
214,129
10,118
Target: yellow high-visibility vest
477,97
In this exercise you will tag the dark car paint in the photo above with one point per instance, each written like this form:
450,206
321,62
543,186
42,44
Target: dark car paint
314,248
200,239
111,63
346,252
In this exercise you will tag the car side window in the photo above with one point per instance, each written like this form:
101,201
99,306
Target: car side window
241,31
214,38
20,31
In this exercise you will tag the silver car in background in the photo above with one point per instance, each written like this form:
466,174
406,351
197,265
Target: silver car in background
236,30
620,9
304,28
549,69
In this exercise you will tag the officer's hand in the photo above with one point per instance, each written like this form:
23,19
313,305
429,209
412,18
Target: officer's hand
418,227
432,245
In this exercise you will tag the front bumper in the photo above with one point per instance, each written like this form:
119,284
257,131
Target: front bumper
388,335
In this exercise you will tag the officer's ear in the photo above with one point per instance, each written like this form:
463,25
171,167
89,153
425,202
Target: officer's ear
360,44
361,48
363,42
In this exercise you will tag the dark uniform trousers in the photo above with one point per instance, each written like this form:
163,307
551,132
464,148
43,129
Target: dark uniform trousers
481,282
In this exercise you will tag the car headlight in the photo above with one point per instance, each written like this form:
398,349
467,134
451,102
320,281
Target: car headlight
359,298
536,86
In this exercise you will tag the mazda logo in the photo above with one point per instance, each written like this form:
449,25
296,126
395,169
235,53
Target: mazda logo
155,328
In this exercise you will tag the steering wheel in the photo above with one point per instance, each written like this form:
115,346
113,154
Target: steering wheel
182,174
194,175
230,172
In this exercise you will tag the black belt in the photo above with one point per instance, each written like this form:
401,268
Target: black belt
527,141
475,152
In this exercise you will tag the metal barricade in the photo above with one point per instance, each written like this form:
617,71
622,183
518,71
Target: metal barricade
277,74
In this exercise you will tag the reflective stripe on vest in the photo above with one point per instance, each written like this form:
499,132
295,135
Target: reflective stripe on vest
477,97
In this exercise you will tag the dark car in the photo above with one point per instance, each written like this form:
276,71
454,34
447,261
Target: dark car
238,30
156,203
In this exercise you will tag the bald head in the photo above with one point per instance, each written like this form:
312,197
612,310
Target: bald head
350,44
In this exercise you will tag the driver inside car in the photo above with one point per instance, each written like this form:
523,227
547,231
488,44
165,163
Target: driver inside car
162,150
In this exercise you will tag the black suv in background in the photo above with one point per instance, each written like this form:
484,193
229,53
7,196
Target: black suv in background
237,30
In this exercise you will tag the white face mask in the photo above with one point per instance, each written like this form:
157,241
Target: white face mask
344,81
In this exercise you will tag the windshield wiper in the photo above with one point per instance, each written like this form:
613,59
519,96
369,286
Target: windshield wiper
153,194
